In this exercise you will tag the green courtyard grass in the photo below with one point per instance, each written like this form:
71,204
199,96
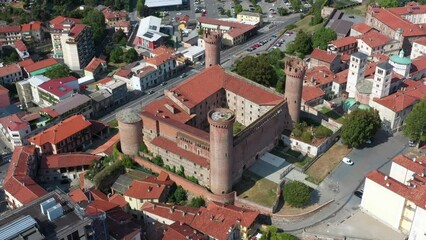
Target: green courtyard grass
257,189
332,114
304,24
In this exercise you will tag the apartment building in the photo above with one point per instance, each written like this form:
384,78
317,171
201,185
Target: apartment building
8,34
70,135
28,90
419,48
15,128
10,74
95,67
251,17
56,90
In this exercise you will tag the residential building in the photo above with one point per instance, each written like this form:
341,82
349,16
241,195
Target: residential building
149,35
15,128
320,77
405,192
419,48
113,17
54,91
95,67
359,29
4,97
102,103
346,45
165,64
182,231
65,166
28,90
323,58
8,34
125,26
418,68
123,182
40,67
70,135
233,33
193,54
21,49
72,42
10,74
76,104
341,27
312,96
32,31
250,17
374,42
405,24
52,216
167,213
394,109
19,187
118,90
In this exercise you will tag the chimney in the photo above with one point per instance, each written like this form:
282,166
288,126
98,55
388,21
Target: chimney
149,189
386,178
388,184
414,159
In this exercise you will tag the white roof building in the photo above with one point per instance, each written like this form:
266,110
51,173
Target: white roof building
162,3
149,28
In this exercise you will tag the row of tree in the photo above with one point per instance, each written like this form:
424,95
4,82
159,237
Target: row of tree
305,43
117,55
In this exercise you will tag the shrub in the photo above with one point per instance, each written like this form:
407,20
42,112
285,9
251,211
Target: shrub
306,137
143,148
297,194
157,160
197,202
107,172
192,179
290,26
322,132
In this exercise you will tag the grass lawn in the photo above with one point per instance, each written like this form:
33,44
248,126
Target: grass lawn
17,4
289,210
359,10
304,161
327,162
238,127
113,123
279,151
256,189
304,25
342,3
332,114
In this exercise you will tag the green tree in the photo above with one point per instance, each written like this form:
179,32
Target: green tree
280,86
415,123
118,36
197,202
257,69
238,8
58,71
91,3
118,4
303,43
258,9
228,13
128,162
143,148
116,55
95,19
130,56
296,5
360,126
140,7
388,3
297,194
201,31
180,195
282,11
316,18
157,160
322,37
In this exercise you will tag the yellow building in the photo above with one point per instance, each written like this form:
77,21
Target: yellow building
250,17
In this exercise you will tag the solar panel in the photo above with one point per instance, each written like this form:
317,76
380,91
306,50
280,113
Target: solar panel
148,35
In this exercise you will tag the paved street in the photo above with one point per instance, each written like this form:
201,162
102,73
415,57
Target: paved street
345,179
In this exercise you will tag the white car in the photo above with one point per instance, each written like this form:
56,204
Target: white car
347,161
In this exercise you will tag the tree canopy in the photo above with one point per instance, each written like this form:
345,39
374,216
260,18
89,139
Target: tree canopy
297,194
116,55
58,71
130,56
119,37
360,126
95,19
415,123
257,69
272,233
322,37
302,44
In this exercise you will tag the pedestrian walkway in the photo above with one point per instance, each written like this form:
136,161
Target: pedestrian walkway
296,175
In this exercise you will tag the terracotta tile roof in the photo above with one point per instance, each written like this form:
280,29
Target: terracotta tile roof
160,59
162,49
26,62
77,195
35,25
107,148
19,162
61,131
237,28
345,58
144,190
421,41
361,28
414,194
41,64
409,8
119,200
418,64
217,218
341,77
162,179
98,195
395,21
182,231
318,76
310,93
20,45
172,147
121,225
323,55
76,30
65,160
104,81
9,69
122,23
208,82
404,98
145,70
99,206
94,64
3,90
341,42
25,190
109,14
25,27
125,73
60,20
14,122
10,29
374,39
417,166
58,87
172,212
158,107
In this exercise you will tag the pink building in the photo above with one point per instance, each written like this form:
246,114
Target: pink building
4,97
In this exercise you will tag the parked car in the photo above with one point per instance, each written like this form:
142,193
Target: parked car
163,83
249,49
368,141
183,75
274,36
347,161
412,143
150,92
359,193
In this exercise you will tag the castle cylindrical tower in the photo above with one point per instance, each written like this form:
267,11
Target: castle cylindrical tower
295,69
221,122
130,129
212,44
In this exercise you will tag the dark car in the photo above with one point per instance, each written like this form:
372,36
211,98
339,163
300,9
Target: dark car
150,92
359,193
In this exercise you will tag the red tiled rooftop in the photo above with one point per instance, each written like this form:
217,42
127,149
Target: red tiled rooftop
414,194
35,25
98,195
25,27
144,190
418,64
60,20
341,77
409,8
374,39
58,87
421,41
125,73
417,166
19,162
94,64
162,49
20,45
3,90
119,200
172,212
109,14
160,59
107,148
61,131
41,64
14,122
24,189
145,70
76,30
99,206
323,55
9,69
318,76
182,231
77,195
158,107
65,160
310,92
404,98
104,80
172,147
236,27
123,24
10,29
341,42
361,28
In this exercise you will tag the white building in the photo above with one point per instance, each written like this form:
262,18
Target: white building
356,74
419,48
401,64
382,80
28,90
399,200
194,53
